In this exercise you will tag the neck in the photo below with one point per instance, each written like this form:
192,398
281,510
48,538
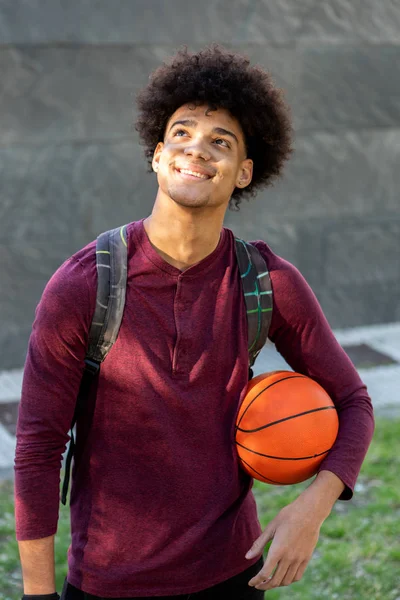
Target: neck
184,236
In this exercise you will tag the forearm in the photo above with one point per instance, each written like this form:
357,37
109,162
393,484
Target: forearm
37,561
322,494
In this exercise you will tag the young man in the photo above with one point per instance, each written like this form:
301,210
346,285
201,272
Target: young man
159,504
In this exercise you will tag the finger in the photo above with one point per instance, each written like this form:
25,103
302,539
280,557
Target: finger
258,546
266,572
300,570
276,580
271,562
290,574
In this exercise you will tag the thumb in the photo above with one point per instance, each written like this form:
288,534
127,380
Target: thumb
258,547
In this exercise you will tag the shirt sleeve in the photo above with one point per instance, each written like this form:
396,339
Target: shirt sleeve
302,335
52,375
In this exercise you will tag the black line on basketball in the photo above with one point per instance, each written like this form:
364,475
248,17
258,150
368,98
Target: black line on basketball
282,457
255,471
307,412
263,476
267,387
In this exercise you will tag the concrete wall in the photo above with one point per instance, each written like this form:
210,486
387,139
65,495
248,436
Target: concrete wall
71,166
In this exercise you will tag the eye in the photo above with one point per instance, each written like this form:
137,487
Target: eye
221,142
179,132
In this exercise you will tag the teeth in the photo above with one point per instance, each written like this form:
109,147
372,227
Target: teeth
199,175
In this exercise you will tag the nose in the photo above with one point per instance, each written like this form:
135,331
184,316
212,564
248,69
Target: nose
198,150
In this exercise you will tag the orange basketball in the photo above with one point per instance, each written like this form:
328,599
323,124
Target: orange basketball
286,426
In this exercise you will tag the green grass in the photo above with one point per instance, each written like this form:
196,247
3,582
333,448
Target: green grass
357,556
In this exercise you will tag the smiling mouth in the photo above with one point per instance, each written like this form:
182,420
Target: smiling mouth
192,175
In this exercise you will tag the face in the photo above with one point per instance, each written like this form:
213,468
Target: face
202,158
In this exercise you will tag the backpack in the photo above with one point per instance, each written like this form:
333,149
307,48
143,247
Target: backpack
111,263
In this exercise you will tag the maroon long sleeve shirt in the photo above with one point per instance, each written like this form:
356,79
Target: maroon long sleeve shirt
159,503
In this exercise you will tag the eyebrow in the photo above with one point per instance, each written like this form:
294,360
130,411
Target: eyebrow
192,123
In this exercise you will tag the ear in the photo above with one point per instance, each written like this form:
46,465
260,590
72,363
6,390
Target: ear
157,156
245,173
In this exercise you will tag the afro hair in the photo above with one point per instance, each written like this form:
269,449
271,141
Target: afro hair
220,78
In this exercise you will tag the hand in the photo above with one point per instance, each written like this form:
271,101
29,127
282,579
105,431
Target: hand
295,532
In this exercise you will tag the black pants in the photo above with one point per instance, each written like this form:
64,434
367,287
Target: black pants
235,588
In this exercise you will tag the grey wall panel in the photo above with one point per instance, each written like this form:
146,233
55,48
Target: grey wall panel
64,194
24,272
336,252
367,254
55,200
74,92
366,21
55,92
355,305
349,87
330,176
71,165
154,22
301,243
71,92
158,22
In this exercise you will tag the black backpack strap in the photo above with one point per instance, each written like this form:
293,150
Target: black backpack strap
111,263
257,289
111,260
